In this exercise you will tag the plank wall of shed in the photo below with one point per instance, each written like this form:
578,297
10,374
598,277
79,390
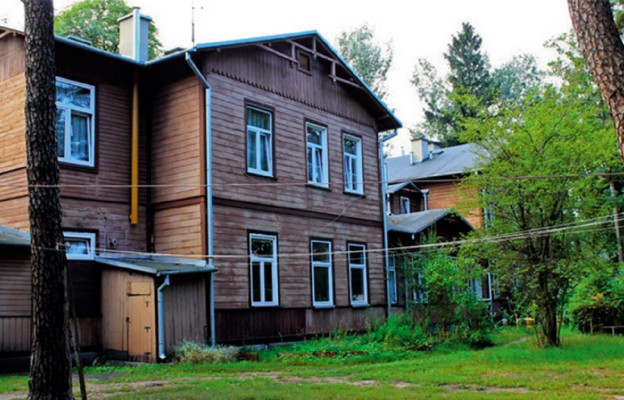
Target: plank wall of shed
184,310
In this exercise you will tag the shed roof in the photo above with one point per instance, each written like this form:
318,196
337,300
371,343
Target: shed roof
157,265
398,186
446,162
419,221
13,237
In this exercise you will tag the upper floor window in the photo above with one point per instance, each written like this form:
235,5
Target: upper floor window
405,205
357,274
263,265
316,145
259,141
79,245
353,177
322,285
75,122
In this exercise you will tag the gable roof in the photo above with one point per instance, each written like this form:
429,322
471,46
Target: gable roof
399,186
320,48
446,162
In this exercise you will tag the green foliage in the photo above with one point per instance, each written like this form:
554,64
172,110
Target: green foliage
556,134
367,58
516,77
598,301
96,20
196,353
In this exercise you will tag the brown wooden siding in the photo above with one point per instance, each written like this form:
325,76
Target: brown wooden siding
295,97
15,282
13,149
12,57
184,310
450,195
178,230
294,233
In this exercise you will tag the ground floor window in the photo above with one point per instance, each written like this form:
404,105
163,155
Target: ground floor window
392,279
322,282
80,245
263,269
357,274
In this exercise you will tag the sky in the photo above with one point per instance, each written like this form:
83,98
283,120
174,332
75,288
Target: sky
416,28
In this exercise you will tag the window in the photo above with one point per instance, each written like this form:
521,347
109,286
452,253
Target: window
357,274
263,265
80,245
353,164
75,133
481,287
322,285
303,61
405,205
259,142
419,292
392,279
316,145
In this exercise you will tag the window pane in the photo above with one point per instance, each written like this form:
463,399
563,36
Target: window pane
320,251
310,165
60,131
356,255
67,93
268,282
255,280
315,135
251,149
80,137
77,246
392,286
265,152
357,284
350,146
318,172
321,284
262,247
259,119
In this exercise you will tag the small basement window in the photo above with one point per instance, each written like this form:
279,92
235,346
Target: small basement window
304,62
80,245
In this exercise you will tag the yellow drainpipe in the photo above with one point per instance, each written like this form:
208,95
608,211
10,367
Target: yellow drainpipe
134,161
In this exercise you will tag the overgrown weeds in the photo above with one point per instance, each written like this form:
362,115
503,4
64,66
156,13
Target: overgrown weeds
197,353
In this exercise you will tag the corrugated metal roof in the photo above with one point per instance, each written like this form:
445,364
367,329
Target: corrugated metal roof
14,237
419,221
156,265
450,161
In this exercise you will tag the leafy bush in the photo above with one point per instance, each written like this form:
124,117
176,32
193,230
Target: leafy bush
196,353
400,331
598,301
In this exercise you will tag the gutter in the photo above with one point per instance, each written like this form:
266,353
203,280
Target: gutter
209,211
384,183
161,319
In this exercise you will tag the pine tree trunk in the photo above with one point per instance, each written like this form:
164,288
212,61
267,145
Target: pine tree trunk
600,42
50,366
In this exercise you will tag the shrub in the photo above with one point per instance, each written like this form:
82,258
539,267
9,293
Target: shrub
196,353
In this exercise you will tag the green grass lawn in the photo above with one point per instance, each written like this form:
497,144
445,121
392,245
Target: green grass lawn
586,367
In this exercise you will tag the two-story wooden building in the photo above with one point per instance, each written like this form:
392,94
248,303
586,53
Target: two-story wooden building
256,158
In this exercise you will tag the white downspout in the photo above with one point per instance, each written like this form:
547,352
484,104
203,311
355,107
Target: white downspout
209,212
384,183
424,193
161,319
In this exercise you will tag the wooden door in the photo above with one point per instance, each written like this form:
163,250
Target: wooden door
141,321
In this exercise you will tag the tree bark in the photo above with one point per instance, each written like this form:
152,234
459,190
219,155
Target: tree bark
50,366
600,42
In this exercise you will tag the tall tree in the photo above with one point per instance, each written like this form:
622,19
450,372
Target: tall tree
602,46
513,79
50,365
466,90
96,20
557,135
367,58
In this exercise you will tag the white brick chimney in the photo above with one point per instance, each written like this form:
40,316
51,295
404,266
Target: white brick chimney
134,35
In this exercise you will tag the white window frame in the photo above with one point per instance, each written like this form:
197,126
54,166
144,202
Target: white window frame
258,133
351,248
323,179
81,236
405,204
350,186
89,113
270,262
392,279
326,265
477,287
